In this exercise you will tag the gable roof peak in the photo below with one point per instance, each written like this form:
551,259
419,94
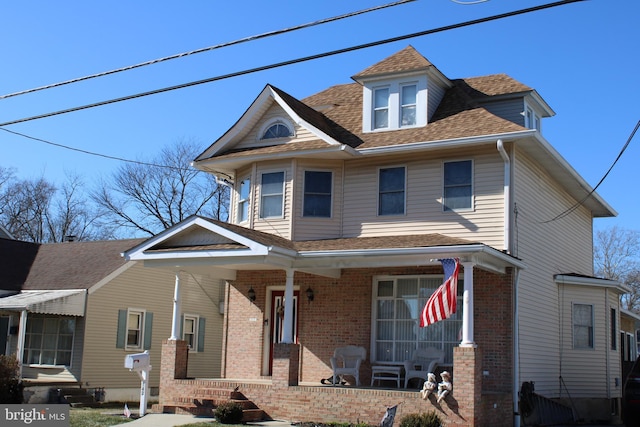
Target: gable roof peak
404,61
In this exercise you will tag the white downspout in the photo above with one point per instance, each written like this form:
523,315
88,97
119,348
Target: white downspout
22,330
507,195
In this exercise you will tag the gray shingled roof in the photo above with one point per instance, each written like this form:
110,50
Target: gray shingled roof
70,265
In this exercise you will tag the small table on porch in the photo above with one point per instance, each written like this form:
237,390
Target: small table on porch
385,372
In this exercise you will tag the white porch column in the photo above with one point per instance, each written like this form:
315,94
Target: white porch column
175,322
22,330
287,332
467,306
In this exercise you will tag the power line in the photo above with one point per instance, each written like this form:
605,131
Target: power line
298,60
210,48
581,202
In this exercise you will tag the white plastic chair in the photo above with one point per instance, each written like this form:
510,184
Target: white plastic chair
423,361
346,361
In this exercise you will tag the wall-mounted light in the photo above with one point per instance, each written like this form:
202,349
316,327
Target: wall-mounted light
310,295
252,294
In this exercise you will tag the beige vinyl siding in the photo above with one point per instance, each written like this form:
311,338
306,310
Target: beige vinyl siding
424,211
275,111
538,199
305,228
152,290
278,226
509,110
584,373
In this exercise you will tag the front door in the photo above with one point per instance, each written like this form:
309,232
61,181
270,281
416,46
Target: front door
276,323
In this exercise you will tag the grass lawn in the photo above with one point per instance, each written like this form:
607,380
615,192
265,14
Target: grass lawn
110,415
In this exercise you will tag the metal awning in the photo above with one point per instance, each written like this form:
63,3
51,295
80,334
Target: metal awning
64,302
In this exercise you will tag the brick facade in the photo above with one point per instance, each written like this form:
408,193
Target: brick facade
341,314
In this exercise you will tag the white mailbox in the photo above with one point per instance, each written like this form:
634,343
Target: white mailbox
137,361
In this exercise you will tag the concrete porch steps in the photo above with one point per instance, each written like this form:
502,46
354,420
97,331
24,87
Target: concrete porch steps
205,402
75,397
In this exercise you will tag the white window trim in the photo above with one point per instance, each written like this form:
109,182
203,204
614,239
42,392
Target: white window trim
593,327
395,87
240,200
304,171
400,104
388,108
266,125
530,114
473,187
375,298
404,208
142,312
284,188
196,322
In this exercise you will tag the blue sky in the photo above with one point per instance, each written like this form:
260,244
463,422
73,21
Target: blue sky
582,58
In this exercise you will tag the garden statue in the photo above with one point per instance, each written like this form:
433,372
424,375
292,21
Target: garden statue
445,386
429,386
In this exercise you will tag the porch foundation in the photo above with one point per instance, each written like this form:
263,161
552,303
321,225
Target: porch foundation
286,365
174,360
467,386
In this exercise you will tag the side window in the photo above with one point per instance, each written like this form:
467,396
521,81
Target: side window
134,329
193,328
317,194
613,324
272,195
582,326
458,189
391,191
243,200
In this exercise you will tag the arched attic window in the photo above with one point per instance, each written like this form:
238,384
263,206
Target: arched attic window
275,129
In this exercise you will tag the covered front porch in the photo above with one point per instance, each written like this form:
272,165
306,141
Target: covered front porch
367,292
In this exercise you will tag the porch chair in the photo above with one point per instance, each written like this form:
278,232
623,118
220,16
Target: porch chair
346,361
423,361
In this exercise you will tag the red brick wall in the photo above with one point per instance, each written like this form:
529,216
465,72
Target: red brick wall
341,314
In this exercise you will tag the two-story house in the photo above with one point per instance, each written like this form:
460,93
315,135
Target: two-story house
344,202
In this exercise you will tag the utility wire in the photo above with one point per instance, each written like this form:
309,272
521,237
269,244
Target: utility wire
581,202
299,60
210,48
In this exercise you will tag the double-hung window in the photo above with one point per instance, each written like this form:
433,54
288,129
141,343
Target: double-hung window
317,194
398,302
381,108
582,326
272,195
408,103
458,186
391,191
243,200
190,330
49,340
134,329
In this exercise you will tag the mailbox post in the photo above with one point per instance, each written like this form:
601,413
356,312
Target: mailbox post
139,362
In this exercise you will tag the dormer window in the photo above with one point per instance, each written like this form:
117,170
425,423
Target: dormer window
381,108
531,118
276,129
395,104
408,105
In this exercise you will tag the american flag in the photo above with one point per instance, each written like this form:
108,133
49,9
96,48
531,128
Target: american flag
442,302
389,416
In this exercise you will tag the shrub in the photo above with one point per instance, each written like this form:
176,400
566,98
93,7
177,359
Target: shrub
426,419
11,386
228,413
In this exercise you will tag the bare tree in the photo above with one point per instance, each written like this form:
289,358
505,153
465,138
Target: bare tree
617,257
148,197
36,211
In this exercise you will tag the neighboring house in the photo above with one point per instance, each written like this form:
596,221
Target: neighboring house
72,311
351,196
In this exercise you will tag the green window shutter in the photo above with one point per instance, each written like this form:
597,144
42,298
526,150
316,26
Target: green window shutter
148,326
200,346
121,333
